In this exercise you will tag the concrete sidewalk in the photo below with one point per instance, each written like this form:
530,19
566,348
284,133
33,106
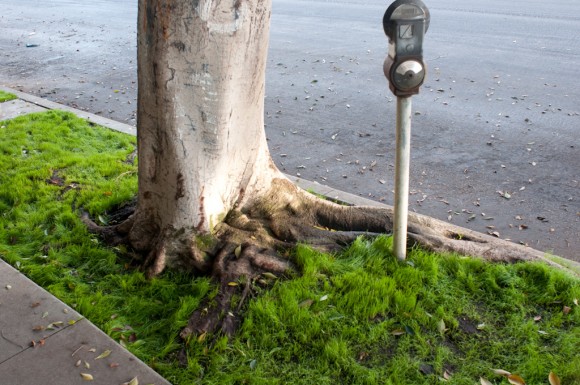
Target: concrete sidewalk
44,341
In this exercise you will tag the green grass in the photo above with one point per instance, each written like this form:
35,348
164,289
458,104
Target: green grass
360,317
5,96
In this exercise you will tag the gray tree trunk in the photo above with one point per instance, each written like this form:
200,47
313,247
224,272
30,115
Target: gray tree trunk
201,140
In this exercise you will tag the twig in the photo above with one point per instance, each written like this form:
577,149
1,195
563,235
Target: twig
9,340
245,293
76,351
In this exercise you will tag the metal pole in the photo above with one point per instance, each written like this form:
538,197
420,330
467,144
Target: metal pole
402,160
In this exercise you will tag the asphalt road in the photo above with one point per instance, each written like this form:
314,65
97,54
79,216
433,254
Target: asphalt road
495,143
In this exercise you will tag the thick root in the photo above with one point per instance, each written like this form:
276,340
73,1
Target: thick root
237,268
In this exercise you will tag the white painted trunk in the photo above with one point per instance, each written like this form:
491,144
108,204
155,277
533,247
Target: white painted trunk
201,141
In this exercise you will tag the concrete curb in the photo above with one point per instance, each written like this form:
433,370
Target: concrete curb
47,104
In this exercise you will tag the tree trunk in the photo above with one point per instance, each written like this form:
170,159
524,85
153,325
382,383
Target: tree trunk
201,140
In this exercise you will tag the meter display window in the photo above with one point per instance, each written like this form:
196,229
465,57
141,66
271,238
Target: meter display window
406,31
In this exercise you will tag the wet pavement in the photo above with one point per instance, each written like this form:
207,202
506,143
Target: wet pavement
495,143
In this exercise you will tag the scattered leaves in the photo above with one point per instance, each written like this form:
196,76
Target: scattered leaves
554,379
446,375
104,354
269,275
238,251
398,332
54,325
566,310
483,381
87,376
514,379
306,303
441,327
501,372
133,381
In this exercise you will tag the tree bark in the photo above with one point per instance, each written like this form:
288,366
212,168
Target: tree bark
201,140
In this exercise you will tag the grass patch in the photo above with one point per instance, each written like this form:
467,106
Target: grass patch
360,317
6,96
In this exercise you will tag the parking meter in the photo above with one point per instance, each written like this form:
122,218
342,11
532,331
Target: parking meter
405,23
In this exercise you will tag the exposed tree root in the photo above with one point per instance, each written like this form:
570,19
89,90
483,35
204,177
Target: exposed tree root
252,239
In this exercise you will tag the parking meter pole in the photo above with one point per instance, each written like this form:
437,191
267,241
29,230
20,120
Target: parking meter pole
402,162
405,23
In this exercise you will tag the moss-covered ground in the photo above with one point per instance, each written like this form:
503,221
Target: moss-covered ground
360,317
5,96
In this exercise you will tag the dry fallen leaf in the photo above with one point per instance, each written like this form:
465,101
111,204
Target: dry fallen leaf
501,372
306,303
483,381
566,310
398,332
446,375
441,327
537,318
269,275
104,354
238,251
133,381
87,376
514,379
554,379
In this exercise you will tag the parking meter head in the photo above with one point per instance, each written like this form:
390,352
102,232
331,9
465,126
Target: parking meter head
405,23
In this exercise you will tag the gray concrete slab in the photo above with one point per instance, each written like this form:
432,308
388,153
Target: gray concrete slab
17,107
27,313
59,354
